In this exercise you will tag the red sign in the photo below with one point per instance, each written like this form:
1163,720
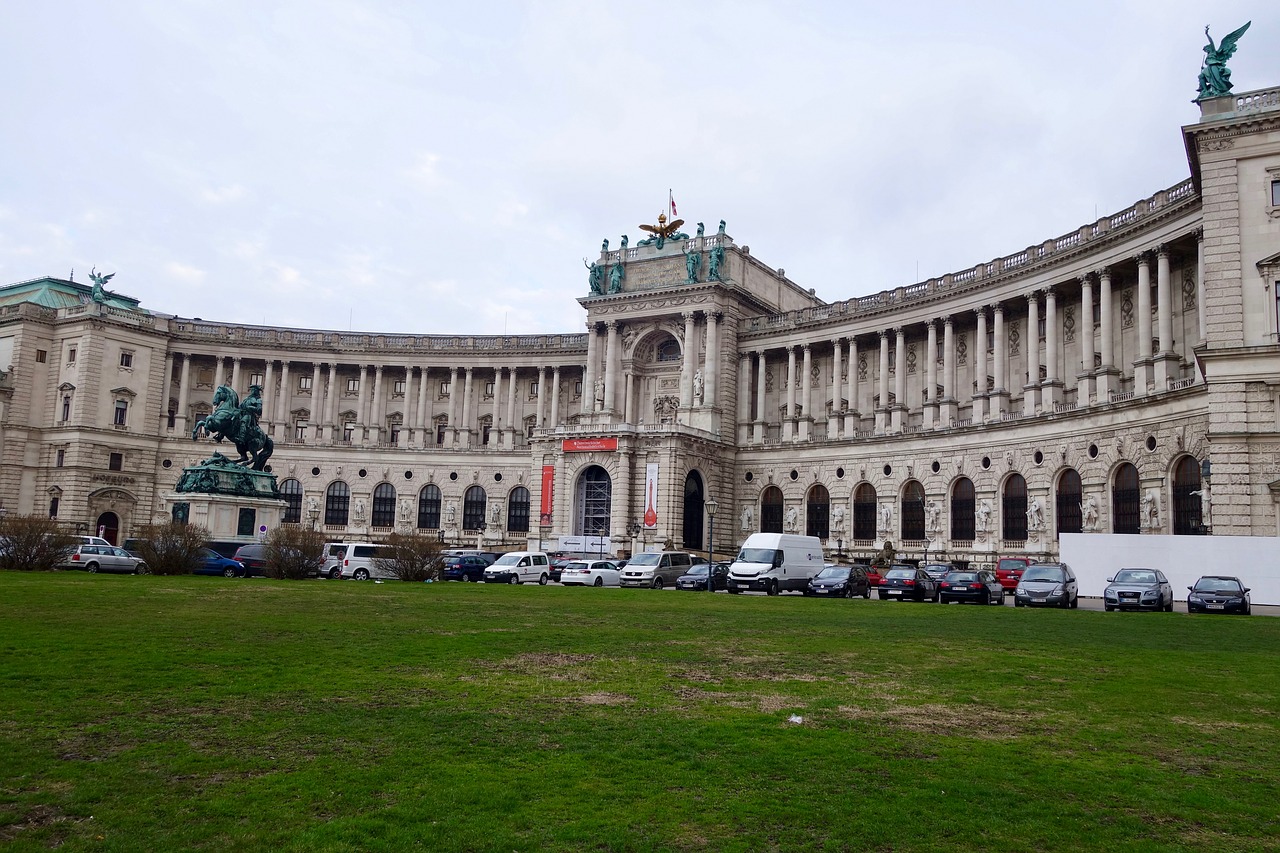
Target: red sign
548,486
578,445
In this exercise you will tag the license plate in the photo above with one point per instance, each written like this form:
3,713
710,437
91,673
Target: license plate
895,592
1215,606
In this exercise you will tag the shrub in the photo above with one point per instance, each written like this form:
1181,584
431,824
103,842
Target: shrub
293,553
33,543
412,557
172,548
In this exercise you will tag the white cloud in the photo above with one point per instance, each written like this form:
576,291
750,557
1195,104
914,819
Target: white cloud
185,273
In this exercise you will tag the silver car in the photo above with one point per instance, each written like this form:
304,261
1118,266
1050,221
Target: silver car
1138,589
104,558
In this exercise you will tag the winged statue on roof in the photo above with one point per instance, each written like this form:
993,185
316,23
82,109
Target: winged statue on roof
1215,76
663,231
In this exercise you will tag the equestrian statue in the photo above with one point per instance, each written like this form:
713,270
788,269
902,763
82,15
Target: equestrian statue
238,421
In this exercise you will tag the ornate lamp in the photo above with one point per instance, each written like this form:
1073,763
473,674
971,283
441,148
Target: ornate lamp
711,507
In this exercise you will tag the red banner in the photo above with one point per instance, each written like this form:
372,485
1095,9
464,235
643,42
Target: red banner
548,486
578,445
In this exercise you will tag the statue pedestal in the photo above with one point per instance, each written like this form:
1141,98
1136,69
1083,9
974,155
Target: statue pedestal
228,517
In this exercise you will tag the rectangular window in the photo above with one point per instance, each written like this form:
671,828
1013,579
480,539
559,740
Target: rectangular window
488,389
353,385
66,409
348,430
395,435
1042,326
173,419
126,359
53,506
115,462
59,458
41,356
122,413
71,356
440,428
397,387
1275,193
444,389
485,431
533,388
255,379
304,383
1097,314
300,432
577,388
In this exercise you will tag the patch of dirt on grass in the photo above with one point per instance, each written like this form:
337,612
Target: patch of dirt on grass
605,699
36,817
696,675
1217,725
949,720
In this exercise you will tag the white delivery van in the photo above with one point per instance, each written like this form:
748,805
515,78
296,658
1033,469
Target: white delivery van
519,567
776,562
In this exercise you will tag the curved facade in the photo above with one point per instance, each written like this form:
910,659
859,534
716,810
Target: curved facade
1084,384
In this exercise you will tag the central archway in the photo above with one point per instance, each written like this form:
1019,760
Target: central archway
693,507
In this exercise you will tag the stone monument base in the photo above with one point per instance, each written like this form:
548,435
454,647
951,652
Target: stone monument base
227,517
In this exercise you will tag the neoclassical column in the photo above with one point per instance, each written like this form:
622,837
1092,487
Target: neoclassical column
422,418
950,394
789,422
184,388
1031,390
1200,307
331,403
760,424
1084,379
269,397
495,413
1108,380
166,390
744,397
898,416
555,398
833,417
540,416
687,366
316,405
235,375
589,374
219,372
629,397
806,397
1051,389
620,512
466,407
980,396
930,413
1001,392
1142,375
455,398
1166,361
611,367
284,428
882,410
512,426
711,373
377,416
852,412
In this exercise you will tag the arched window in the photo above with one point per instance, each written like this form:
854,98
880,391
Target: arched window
817,512
291,491
593,501
1188,508
384,506
692,529
963,507
429,507
1126,501
337,501
771,510
518,510
864,512
912,513
473,505
1013,507
1067,502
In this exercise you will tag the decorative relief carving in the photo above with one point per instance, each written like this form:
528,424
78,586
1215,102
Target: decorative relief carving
911,359
962,349
1217,144
862,368
768,380
1015,339
1069,324
1126,309
1188,289
815,374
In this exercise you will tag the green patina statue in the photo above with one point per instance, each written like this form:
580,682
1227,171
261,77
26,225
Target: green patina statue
715,263
1215,76
100,292
692,261
238,421
595,277
616,274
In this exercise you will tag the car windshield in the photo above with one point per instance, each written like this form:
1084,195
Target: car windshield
833,573
1218,585
901,573
645,560
961,577
1135,576
576,566
508,560
1011,565
1051,574
756,555
700,569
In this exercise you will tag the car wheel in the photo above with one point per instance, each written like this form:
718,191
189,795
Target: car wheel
1168,608
360,574
1017,603
1247,610
599,582
1075,602
867,594
466,578
657,583
1108,607
228,572
92,568
773,588
512,579
141,569
734,591
335,574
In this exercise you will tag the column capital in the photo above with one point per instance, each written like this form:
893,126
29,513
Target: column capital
948,320
1033,298
611,325
1050,292
689,316
805,347
1142,258
1085,279
1103,274
1162,251
997,310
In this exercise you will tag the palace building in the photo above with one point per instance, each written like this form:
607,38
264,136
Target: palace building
1122,378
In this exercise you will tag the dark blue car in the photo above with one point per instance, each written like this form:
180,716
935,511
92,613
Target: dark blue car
216,564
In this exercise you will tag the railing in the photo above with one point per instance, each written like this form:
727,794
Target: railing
1263,99
1120,396
369,342
1178,384
1058,408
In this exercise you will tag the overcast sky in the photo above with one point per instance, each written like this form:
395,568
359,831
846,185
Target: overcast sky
431,167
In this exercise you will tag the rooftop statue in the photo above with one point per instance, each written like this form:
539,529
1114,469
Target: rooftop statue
100,292
616,275
595,277
692,261
715,263
1215,76
663,231
238,421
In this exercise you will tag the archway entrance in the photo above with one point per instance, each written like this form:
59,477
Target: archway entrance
593,502
693,507
108,527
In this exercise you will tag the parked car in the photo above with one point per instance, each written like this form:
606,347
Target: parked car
979,586
360,562
590,573
467,567
1009,570
840,582
903,582
1218,594
91,540
216,564
104,558
874,577
253,558
557,566
695,580
519,567
937,571
1047,585
656,569
333,554
1138,589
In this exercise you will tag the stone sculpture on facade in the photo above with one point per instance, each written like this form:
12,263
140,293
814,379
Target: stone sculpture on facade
747,514
933,513
715,261
616,274
698,384
886,516
837,520
793,519
1151,509
984,515
595,277
1089,509
1215,76
692,262
1035,515
100,292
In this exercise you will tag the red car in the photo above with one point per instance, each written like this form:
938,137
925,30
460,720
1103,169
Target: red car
1009,572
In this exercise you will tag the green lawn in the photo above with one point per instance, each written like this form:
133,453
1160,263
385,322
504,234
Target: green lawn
153,713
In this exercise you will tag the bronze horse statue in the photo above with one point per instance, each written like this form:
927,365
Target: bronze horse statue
238,421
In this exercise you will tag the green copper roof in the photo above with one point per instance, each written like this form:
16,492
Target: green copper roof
57,293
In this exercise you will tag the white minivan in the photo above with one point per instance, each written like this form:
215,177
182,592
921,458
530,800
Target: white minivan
518,567
776,562
360,561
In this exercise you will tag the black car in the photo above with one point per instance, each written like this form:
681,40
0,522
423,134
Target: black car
557,567
253,558
467,567
1218,594
695,579
1047,585
980,587
840,582
907,582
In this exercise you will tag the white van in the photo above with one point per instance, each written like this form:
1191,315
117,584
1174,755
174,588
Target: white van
334,554
776,562
518,567
361,561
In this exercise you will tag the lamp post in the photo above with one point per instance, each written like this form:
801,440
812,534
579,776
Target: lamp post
839,550
634,529
711,507
313,513
927,542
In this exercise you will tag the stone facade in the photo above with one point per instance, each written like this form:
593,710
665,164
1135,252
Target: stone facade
1080,384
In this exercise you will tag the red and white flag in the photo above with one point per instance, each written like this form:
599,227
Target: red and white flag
671,199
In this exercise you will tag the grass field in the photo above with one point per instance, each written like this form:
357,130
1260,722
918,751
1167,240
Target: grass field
152,713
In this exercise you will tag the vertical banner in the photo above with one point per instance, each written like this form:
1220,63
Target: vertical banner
651,496
548,485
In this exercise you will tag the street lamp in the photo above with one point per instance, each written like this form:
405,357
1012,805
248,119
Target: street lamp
839,550
711,506
313,514
927,542
634,529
